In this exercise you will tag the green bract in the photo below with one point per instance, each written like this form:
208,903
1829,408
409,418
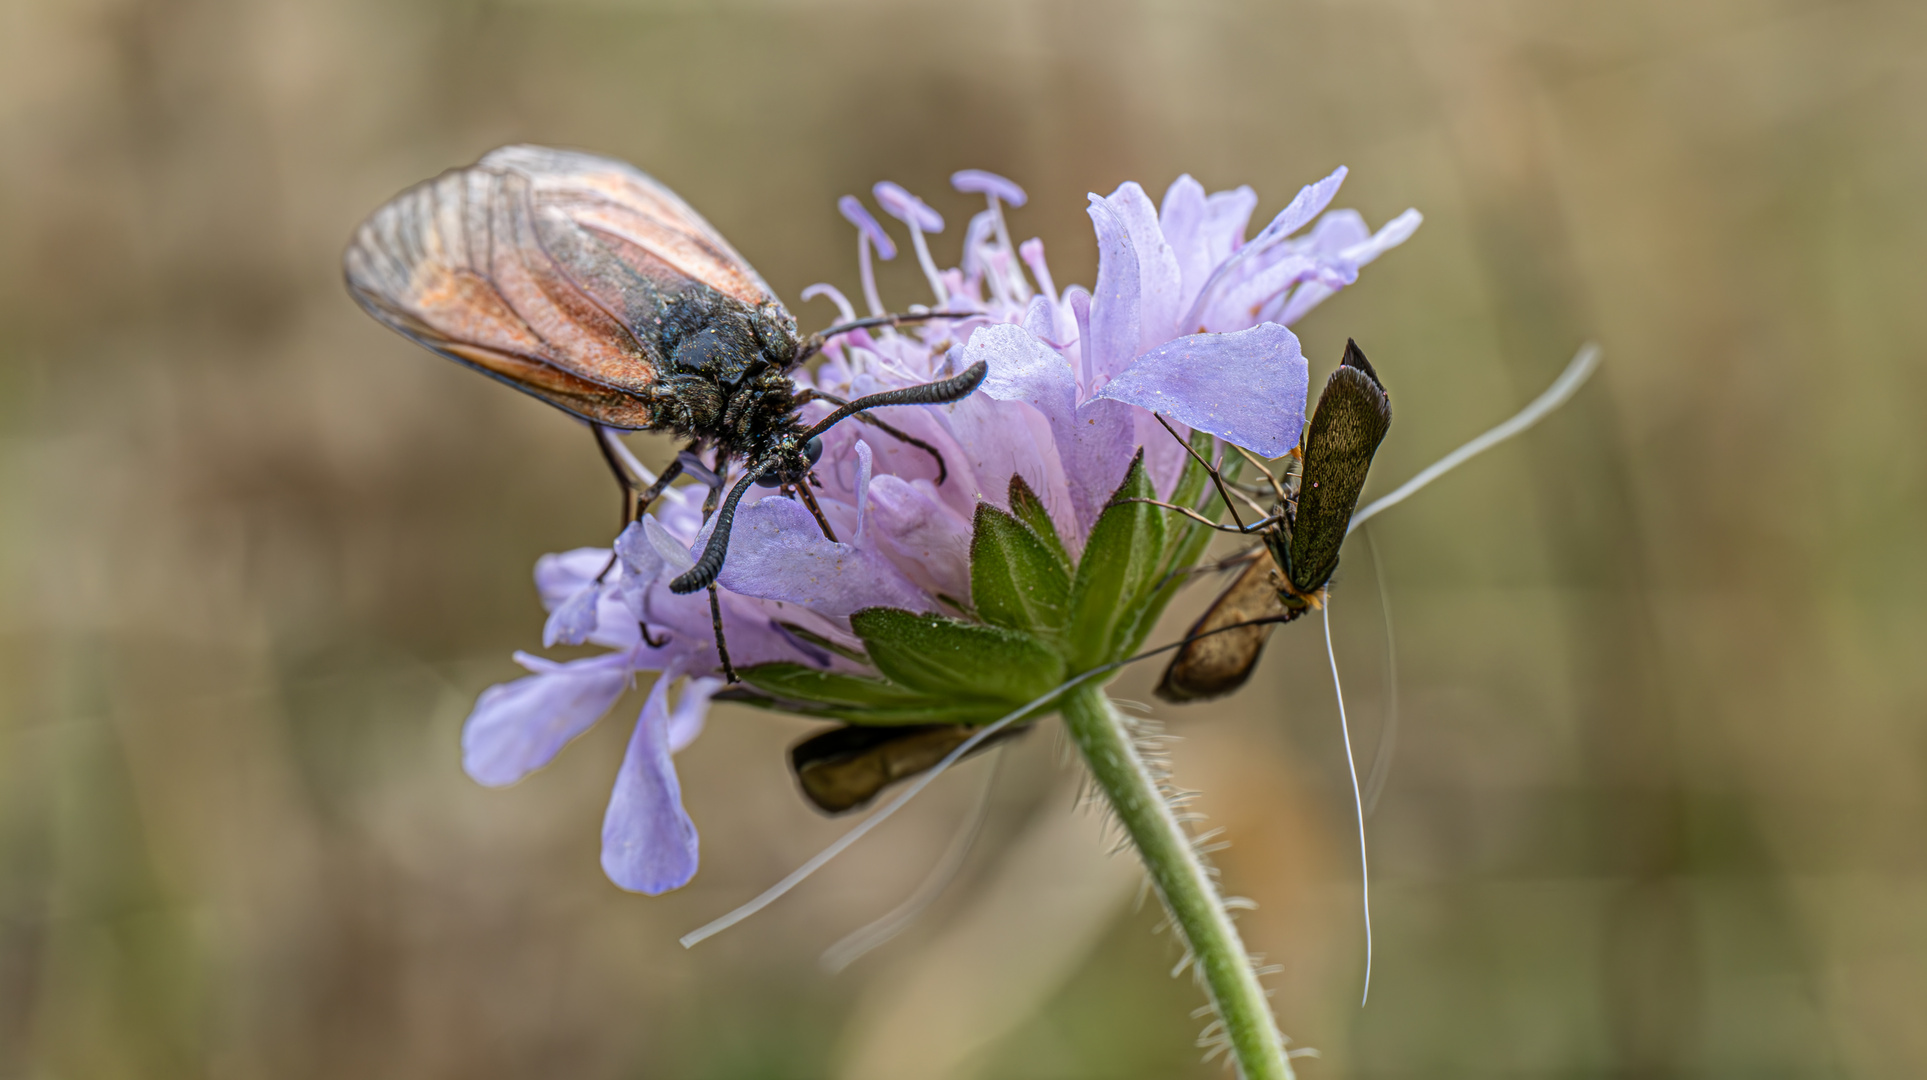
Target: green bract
1036,617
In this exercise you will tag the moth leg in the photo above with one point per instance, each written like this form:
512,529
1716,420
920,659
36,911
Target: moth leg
1209,468
1259,463
623,480
650,641
1255,527
654,491
943,471
722,646
710,500
1229,562
809,500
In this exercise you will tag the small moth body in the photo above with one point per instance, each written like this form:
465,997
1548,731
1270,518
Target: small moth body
842,769
1313,513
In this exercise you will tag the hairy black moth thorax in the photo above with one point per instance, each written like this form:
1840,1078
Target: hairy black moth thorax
724,372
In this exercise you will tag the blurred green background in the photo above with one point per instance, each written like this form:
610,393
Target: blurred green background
1657,804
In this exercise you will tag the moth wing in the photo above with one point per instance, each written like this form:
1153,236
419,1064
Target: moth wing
546,269
1216,665
649,227
1353,415
842,769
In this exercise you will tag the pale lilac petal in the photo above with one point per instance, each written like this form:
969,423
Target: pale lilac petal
517,727
776,552
1096,449
1113,338
863,466
998,440
560,576
1078,299
648,840
1240,303
692,708
575,620
1392,234
987,183
1312,293
675,556
1023,368
1310,201
1227,214
1247,388
1182,220
1040,318
928,541
857,214
1093,441
907,208
1336,231
1164,457
1160,283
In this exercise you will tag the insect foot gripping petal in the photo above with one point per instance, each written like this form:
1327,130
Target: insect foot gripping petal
703,574
1353,415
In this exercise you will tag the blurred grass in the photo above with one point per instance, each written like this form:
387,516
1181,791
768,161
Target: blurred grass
1657,804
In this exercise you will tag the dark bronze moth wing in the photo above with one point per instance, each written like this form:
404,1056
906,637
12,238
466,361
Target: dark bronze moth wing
547,269
1353,415
843,768
1216,665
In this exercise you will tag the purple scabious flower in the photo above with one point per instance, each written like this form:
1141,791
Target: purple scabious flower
1188,318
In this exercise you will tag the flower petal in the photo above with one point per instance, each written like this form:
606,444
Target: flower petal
1159,280
776,552
1392,234
575,619
1093,440
1248,387
648,841
1113,338
1182,220
863,466
518,727
561,575
930,541
692,708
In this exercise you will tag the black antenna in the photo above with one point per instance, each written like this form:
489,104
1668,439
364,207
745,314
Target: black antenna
704,572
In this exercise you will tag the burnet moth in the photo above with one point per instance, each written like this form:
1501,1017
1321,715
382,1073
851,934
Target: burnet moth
586,283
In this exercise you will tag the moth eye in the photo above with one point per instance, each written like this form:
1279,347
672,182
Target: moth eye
813,450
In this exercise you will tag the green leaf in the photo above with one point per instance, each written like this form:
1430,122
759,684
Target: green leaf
1119,568
958,659
796,682
1015,580
1026,507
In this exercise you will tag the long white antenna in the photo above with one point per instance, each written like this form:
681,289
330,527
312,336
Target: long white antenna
842,843
880,931
1364,871
1568,383
1388,731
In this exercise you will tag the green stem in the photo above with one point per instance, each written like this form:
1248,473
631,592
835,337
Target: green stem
1182,881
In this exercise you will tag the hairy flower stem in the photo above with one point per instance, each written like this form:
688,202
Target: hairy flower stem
1182,882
